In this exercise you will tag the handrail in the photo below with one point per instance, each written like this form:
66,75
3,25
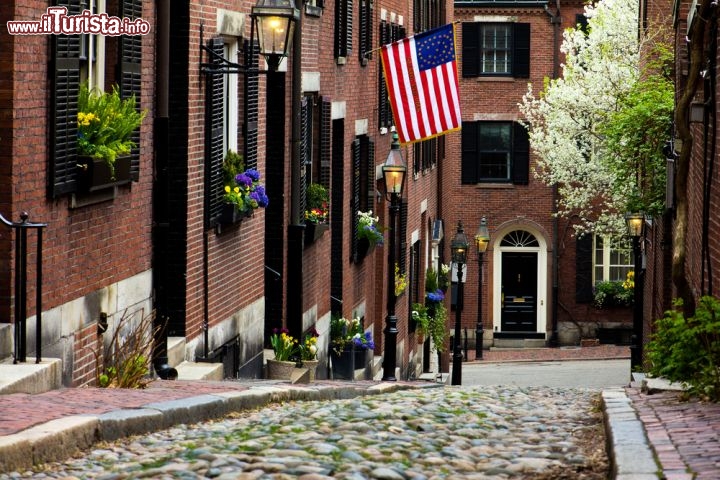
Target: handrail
20,293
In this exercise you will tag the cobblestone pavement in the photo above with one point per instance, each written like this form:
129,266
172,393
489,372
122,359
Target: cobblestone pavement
685,435
432,433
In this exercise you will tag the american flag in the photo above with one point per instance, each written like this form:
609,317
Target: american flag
421,77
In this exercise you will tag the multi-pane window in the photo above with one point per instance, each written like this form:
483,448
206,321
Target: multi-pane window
389,32
612,260
426,154
495,49
494,152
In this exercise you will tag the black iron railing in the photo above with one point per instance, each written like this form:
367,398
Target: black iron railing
20,230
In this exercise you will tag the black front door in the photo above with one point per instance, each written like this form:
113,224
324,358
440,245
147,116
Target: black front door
519,292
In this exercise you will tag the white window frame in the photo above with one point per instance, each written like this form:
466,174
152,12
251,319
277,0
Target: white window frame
231,107
609,246
93,69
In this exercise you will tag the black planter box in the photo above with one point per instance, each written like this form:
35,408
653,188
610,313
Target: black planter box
313,231
230,215
95,174
342,364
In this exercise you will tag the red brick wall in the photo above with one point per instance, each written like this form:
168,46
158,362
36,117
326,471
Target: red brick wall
88,356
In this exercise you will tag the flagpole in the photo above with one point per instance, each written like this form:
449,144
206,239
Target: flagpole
370,52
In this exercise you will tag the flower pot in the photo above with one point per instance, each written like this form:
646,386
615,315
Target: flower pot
95,173
279,370
312,366
313,231
345,363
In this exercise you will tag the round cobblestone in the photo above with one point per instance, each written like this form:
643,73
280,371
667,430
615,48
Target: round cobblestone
451,432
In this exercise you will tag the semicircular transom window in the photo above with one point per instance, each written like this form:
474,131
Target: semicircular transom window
519,238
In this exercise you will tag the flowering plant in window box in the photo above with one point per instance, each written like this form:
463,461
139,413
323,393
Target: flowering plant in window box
317,203
368,229
106,123
243,189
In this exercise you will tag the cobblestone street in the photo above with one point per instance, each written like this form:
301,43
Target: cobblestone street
465,432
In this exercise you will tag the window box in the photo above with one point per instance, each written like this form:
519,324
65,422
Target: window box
313,231
230,214
95,174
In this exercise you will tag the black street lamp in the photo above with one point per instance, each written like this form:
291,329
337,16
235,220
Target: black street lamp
275,22
635,224
394,170
482,239
459,248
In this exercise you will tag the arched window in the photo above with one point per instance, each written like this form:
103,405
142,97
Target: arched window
519,238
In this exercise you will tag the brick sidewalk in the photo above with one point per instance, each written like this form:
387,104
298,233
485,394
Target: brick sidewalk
683,434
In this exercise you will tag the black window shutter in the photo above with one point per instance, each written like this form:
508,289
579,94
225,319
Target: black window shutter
469,156
305,145
470,49
402,256
214,135
131,74
252,107
583,269
348,27
365,15
343,28
367,178
325,140
355,201
63,123
521,50
521,155
383,100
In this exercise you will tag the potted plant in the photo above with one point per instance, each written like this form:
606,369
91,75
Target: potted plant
308,352
401,281
317,213
349,344
243,191
286,350
106,124
430,318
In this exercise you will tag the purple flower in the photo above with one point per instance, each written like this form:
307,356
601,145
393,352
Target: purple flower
437,296
243,180
262,198
253,174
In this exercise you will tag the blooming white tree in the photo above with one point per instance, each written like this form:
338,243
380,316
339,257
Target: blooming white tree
566,120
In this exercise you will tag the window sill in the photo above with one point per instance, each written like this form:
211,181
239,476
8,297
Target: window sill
496,185
313,11
498,79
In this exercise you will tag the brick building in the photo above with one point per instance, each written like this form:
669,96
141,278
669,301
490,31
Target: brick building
537,280
692,197
158,241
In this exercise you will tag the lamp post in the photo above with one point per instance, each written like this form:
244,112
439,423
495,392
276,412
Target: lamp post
393,171
459,248
482,238
635,223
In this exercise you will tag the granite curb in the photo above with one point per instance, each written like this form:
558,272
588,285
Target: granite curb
59,439
630,453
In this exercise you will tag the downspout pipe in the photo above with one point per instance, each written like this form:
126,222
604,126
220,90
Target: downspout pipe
556,22
161,135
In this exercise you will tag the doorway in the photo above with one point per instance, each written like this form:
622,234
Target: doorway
519,281
518,308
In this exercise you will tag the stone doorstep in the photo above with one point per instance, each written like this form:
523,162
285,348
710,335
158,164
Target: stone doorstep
31,377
